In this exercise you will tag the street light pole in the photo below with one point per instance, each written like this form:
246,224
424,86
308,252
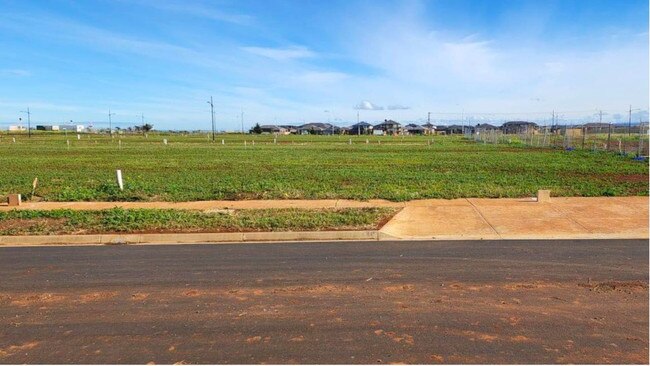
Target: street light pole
110,122
29,122
212,116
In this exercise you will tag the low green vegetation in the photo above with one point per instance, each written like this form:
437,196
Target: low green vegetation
191,167
117,220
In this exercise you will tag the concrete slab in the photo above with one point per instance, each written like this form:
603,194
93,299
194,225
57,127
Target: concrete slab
606,215
563,217
528,218
458,220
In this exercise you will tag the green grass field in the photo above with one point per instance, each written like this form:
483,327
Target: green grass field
191,167
117,220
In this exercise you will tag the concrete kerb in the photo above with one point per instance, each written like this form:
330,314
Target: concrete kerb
186,238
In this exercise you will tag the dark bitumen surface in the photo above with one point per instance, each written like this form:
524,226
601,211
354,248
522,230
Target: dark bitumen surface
362,302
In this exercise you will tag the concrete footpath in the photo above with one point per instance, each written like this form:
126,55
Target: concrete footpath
561,218
458,219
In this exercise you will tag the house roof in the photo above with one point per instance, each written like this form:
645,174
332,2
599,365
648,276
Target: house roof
315,126
413,126
361,124
486,125
387,122
519,123
596,125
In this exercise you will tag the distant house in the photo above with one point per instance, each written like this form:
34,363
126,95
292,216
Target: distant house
289,129
429,128
596,127
17,128
72,128
485,127
388,127
454,129
361,128
515,127
273,129
316,128
413,129
47,128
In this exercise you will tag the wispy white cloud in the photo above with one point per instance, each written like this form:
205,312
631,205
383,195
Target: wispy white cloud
396,107
201,11
15,72
320,77
367,105
281,54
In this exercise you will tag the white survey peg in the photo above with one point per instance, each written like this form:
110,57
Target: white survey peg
34,184
78,137
165,141
119,179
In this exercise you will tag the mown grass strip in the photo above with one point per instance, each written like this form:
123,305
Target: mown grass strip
118,220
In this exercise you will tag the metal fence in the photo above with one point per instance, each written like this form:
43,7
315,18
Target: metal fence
631,140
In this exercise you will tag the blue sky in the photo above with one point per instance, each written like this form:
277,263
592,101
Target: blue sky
303,61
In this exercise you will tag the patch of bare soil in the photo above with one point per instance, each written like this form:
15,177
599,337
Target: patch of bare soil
97,296
8,351
399,288
22,225
30,299
629,178
621,286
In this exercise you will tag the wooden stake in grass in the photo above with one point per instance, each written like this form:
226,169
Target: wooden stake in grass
120,184
223,142
34,184
119,144
14,139
68,143
165,141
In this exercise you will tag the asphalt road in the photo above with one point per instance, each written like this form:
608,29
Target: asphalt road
363,302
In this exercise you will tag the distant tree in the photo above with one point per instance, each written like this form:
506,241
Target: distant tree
257,129
147,127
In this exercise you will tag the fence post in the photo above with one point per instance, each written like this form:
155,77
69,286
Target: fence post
638,153
609,136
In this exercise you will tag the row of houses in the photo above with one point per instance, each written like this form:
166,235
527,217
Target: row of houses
71,128
390,127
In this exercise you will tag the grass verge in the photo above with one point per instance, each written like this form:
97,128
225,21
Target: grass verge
118,220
